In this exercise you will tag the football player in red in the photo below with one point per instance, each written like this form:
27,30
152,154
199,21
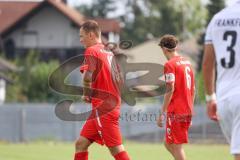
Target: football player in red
177,107
101,79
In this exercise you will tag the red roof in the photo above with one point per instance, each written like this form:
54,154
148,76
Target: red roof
108,25
13,12
73,14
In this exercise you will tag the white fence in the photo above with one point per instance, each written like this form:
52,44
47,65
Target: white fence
26,122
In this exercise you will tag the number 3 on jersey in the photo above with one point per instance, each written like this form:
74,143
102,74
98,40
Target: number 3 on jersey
188,77
230,48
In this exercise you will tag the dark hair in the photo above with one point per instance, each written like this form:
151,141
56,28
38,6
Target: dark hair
91,26
168,41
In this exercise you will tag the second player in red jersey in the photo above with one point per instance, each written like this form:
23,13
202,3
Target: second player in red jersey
178,71
178,102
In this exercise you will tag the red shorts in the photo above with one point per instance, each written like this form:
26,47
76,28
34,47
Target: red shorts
177,129
103,130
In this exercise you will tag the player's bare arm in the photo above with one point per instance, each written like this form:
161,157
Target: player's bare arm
208,67
168,96
166,102
87,81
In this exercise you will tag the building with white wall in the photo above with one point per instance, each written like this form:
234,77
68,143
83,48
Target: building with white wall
49,26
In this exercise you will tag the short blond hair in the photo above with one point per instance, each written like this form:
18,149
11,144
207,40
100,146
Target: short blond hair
91,26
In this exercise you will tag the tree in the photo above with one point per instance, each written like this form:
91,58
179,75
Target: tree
99,8
153,18
137,28
31,84
38,89
213,7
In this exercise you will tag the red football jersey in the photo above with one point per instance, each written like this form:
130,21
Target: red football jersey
106,74
178,70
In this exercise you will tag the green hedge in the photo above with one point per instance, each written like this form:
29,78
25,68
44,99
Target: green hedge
31,82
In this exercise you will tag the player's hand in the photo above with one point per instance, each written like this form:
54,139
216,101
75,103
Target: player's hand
212,110
86,99
160,120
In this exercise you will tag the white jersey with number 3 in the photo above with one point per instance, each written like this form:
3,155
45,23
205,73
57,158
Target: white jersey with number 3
224,33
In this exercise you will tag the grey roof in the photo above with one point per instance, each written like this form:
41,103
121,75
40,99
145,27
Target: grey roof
150,52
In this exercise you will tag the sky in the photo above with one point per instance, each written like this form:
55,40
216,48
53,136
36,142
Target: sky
120,8
119,11
88,2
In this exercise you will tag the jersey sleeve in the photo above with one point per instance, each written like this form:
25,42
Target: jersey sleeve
208,35
169,73
90,61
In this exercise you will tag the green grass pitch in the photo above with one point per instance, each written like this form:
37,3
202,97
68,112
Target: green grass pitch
137,151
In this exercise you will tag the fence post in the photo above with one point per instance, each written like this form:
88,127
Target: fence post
22,121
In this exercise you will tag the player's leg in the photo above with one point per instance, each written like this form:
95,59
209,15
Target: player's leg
169,135
177,134
115,150
225,118
229,115
235,141
237,156
178,152
112,136
119,153
169,148
81,148
89,133
82,144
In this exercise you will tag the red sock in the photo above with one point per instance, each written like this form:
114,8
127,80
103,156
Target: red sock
122,156
81,156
